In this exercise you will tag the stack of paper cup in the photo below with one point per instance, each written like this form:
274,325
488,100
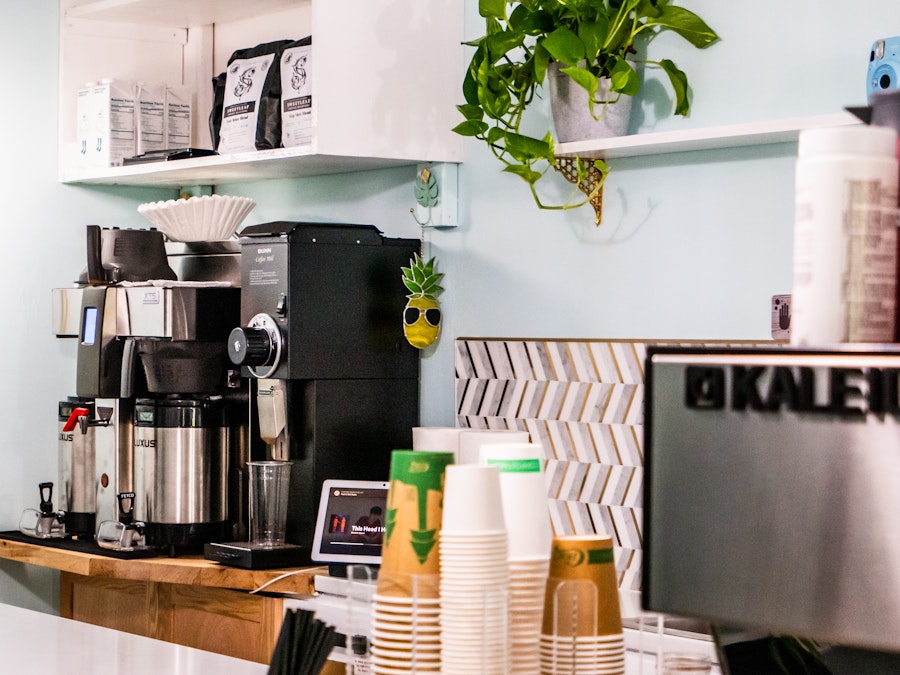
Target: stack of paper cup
406,637
440,439
406,634
582,627
524,494
471,440
474,573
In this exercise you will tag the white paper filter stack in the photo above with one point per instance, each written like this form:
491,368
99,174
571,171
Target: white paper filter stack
474,573
524,494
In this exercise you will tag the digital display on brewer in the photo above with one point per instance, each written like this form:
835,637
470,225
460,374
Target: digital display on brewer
351,522
89,326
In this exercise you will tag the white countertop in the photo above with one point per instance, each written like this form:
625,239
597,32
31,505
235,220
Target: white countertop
42,644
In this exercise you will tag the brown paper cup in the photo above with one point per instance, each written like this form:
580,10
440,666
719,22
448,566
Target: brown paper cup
409,556
582,595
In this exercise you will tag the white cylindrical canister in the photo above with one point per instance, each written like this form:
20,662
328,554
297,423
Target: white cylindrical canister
845,236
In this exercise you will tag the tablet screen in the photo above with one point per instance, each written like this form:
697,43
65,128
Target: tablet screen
350,524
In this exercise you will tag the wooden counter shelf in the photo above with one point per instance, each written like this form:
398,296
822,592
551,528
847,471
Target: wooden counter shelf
186,600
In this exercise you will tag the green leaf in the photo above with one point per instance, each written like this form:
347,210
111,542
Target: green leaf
564,46
471,112
519,14
527,148
492,8
592,34
418,275
623,79
496,104
679,85
499,44
541,63
583,78
538,22
426,193
687,24
470,128
524,172
470,85
494,134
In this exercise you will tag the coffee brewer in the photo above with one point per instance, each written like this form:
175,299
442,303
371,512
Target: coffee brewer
335,384
167,414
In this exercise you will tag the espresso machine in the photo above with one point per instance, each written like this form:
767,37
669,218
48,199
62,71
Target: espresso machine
335,385
165,415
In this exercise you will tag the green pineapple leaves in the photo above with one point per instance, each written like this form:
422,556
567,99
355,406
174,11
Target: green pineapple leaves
420,278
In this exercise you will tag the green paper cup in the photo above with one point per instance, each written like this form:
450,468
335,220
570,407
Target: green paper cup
415,500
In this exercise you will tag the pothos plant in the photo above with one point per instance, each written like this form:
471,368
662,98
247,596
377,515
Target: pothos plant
591,39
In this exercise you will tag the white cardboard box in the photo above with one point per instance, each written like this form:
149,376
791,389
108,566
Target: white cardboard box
150,117
113,122
178,116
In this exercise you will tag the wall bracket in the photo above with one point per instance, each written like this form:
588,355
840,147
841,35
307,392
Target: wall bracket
590,181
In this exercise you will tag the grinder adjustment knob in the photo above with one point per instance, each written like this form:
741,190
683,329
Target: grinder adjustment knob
256,345
250,346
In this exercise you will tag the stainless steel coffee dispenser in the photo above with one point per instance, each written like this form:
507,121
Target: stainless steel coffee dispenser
336,384
77,495
151,341
181,465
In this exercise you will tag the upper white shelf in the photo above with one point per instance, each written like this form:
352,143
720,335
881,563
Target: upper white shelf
247,166
709,138
400,113
174,12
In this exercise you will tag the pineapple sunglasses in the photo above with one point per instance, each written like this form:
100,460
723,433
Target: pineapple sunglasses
432,315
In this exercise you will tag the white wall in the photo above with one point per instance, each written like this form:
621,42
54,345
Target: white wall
692,245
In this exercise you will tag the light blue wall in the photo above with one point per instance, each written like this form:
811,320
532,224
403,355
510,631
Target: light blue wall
42,247
692,245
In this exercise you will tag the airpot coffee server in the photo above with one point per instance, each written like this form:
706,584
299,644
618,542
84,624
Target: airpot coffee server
154,439
336,383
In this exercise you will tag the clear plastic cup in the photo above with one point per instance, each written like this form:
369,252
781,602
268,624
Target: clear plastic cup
269,485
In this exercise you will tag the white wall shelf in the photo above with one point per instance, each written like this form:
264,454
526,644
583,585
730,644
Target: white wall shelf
708,138
383,80
236,168
174,12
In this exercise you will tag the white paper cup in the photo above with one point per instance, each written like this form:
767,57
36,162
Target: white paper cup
472,501
524,493
471,440
436,439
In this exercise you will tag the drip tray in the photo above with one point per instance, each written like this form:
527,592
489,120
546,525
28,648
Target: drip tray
77,545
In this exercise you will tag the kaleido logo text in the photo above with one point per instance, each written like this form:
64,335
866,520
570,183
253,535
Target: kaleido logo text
846,392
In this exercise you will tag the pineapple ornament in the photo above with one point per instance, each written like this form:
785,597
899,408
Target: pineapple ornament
422,314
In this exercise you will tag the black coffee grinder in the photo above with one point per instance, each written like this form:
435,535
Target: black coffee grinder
336,383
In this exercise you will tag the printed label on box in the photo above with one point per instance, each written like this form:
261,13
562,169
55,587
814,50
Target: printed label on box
150,118
178,116
113,123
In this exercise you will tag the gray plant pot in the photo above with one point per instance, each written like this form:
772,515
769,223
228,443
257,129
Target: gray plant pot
572,118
